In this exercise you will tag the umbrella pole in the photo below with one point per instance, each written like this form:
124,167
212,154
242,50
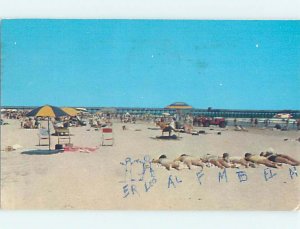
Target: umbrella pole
49,132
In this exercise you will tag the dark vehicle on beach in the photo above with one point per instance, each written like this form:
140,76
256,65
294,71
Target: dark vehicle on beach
207,121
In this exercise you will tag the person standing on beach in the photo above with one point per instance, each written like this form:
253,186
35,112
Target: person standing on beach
234,121
22,121
251,120
172,124
255,122
267,122
287,123
36,123
294,123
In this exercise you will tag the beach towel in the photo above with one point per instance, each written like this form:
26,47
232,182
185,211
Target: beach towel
80,149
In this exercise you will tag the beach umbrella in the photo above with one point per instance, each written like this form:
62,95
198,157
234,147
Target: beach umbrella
166,114
81,109
70,111
179,106
49,112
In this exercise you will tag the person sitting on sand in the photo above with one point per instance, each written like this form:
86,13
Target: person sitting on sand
188,128
260,160
36,123
217,161
280,158
28,124
237,160
172,124
190,160
167,163
167,127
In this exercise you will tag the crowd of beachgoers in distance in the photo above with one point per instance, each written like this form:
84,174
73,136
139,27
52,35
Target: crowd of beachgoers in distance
100,118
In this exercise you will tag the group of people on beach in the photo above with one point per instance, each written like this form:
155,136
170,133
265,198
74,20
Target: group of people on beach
29,123
268,158
14,114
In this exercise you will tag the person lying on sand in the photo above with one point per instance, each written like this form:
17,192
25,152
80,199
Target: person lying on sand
190,160
260,160
280,158
217,161
188,128
237,160
167,163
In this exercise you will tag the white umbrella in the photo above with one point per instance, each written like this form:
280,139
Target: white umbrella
81,109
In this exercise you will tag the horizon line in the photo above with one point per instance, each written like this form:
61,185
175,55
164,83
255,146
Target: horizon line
136,107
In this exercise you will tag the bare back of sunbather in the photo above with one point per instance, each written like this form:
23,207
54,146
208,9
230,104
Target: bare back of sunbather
260,160
237,160
190,160
167,163
215,160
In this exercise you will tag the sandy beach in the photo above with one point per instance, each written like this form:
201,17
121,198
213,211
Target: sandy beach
98,180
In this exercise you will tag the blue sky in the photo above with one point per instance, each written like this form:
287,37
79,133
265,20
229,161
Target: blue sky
151,63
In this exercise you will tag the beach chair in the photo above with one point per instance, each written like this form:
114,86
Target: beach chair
63,135
43,135
107,136
61,131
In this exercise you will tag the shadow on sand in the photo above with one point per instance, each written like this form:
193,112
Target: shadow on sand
62,135
172,137
41,152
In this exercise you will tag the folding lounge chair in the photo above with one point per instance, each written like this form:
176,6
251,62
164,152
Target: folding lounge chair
107,136
63,135
61,131
43,135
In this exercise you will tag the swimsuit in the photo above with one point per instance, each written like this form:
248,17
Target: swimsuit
272,158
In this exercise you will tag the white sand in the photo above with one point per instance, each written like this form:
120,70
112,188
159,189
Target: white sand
76,180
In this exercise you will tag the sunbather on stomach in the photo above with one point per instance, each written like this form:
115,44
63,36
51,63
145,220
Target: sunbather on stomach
216,160
237,160
189,160
280,158
167,163
260,160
